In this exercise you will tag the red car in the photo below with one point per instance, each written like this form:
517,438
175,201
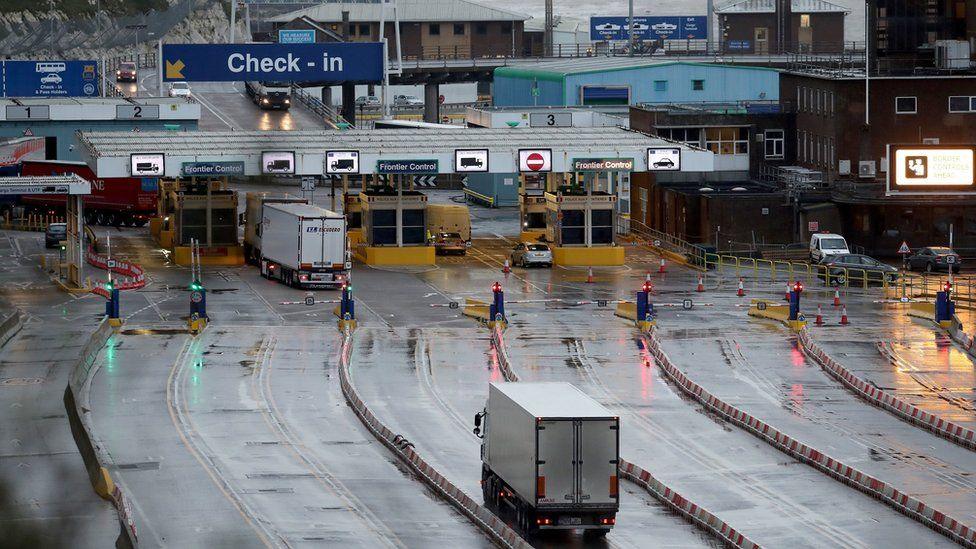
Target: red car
126,72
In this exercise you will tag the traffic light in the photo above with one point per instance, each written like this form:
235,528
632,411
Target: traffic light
947,287
798,287
647,287
496,287
109,285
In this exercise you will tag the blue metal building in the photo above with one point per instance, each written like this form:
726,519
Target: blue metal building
628,80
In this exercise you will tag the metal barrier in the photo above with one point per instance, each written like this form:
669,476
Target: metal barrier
478,197
925,285
328,114
803,270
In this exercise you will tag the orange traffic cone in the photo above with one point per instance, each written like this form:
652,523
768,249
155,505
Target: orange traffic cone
661,268
742,290
819,320
506,268
836,297
788,288
701,284
843,317
589,276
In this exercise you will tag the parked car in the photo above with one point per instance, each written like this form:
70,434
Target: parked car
854,268
126,72
526,254
179,89
824,245
367,101
934,258
407,101
445,243
54,234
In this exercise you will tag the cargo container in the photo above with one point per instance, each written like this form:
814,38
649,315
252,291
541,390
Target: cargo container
550,453
254,204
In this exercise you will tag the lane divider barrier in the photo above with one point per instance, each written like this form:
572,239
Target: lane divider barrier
497,530
898,407
78,407
10,326
886,493
681,505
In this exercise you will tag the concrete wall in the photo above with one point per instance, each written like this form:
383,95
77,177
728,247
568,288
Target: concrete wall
64,132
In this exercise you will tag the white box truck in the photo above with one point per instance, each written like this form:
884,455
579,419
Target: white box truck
550,453
251,219
303,245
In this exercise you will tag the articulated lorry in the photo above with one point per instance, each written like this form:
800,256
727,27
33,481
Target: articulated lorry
550,453
269,95
299,244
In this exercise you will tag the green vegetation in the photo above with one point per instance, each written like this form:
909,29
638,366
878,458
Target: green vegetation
74,8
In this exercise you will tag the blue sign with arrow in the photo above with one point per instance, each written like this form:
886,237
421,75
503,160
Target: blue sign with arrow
333,62
650,28
49,78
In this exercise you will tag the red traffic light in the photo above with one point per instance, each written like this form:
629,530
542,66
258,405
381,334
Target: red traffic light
947,287
647,287
496,287
798,287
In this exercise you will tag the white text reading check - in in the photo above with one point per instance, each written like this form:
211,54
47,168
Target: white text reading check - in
245,62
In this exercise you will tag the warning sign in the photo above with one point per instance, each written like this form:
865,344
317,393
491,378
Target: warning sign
904,249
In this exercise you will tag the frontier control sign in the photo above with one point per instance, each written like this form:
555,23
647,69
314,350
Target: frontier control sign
931,169
359,62
425,167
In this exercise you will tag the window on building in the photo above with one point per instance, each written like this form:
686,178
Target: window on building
962,103
481,28
688,136
364,29
805,20
459,29
435,29
660,85
799,95
506,28
906,105
697,85
727,140
774,141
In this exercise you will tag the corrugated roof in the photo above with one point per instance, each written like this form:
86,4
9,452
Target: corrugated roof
407,11
769,6
565,67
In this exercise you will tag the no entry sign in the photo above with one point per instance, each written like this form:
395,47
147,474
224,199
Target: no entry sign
535,160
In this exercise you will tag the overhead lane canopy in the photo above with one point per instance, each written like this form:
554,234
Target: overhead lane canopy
427,151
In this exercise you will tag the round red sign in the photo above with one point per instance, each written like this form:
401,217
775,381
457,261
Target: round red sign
535,161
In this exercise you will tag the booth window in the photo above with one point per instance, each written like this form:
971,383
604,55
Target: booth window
573,227
414,226
601,225
383,227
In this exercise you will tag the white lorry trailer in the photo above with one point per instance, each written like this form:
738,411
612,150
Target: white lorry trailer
550,453
303,245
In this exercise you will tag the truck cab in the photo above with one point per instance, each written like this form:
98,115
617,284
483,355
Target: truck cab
269,95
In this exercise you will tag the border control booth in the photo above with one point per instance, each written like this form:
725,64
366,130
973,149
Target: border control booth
569,173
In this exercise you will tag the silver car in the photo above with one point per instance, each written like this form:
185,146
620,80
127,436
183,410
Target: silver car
526,254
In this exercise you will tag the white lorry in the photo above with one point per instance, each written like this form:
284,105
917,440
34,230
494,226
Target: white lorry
550,453
302,245
269,95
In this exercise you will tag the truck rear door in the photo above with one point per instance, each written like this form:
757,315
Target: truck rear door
556,477
597,449
310,245
334,242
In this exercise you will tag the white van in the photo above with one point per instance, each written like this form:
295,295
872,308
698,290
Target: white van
823,245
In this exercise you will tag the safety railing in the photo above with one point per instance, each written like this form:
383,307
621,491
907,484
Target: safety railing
805,271
925,285
478,197
33,222
661,240
328,114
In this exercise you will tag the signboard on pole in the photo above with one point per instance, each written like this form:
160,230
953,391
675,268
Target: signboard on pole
664,159
650,28
49,78
535,160
904,249
931,169
341,162
278,162
308,184
470,160
332,62
296,36
147,164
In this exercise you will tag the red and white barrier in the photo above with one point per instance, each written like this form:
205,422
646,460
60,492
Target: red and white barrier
901,409
894,498
133,276
657,489
503,534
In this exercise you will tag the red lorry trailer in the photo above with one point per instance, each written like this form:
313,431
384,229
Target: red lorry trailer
114,200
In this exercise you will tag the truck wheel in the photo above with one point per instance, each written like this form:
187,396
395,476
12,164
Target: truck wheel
595,533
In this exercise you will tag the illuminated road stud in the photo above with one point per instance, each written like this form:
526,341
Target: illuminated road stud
589,276
836,297
843,317
661,268
742,290
701,284
819,320
506,268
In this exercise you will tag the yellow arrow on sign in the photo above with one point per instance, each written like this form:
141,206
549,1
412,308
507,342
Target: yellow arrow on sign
173,69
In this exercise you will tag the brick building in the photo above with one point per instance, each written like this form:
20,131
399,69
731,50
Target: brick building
776,26
429,29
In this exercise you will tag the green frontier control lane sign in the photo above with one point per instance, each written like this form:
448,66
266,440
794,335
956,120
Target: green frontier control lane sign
428,167
603,164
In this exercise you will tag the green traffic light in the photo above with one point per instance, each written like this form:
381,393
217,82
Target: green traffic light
109,285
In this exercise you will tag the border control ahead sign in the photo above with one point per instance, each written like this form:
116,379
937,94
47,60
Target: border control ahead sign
931,169
360,62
